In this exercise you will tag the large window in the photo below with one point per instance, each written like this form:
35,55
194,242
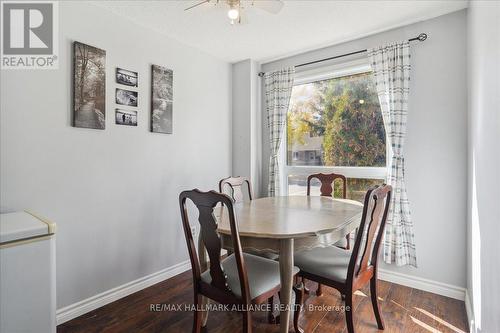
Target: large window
335,125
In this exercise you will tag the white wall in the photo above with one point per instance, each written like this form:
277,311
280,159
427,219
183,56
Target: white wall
436,146
241,106
483,270
246,122
113,193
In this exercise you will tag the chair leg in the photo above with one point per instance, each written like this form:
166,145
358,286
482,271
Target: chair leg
375,304
319,291
306,290
247,321
299,300
197,321
276,318
348,312
270,311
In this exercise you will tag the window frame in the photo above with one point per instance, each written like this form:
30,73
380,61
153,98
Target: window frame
324,73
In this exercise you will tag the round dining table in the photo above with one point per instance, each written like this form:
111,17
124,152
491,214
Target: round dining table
283,225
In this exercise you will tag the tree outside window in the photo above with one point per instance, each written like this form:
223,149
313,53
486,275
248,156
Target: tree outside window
339,121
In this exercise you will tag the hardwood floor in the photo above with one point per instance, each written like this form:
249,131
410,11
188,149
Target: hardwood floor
404,310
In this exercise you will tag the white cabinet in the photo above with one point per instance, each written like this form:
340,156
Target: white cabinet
27,274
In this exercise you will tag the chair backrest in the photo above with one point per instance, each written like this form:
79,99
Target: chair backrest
205,203
235,185
327,183
366,248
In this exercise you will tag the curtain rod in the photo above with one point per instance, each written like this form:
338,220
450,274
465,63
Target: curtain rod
421,38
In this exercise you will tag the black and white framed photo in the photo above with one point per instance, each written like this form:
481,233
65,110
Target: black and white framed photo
126,97
126,77
161,99
126,117
89,86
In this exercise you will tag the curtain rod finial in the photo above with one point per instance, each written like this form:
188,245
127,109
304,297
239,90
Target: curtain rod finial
422,37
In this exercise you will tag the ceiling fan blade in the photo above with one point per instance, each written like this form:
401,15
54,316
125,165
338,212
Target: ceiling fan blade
270,6
197,4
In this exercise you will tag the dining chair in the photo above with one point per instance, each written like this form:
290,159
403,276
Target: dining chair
326,190
349,271
240,279
236,187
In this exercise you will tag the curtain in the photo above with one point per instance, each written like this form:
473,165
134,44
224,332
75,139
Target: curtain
391,69
278,88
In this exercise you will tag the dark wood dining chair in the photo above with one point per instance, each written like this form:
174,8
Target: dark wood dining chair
236,185
240,279
327,187
236,188
326,190
349,271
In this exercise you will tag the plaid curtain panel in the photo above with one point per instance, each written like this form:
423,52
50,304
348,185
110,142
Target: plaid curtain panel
391,69
278,89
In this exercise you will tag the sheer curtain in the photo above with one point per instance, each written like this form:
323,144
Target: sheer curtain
391,69
278,89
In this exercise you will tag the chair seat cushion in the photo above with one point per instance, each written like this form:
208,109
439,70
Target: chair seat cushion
263,274
328,262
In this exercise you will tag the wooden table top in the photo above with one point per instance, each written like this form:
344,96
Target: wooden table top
292,216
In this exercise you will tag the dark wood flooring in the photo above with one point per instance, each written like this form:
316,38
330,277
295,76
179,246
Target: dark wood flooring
404,310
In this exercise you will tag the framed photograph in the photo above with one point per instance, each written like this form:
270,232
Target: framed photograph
126,97
161,99
126,117
127,77
89,86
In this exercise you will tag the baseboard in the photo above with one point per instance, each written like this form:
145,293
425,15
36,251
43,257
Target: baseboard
470,313
77,309
435,287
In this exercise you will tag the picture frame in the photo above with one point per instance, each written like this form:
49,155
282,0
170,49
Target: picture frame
127,77
161,100
126,117
126,97
89,86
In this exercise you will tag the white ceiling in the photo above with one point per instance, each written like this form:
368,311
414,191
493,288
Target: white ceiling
300,26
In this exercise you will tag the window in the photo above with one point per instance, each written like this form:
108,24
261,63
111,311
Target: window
334,124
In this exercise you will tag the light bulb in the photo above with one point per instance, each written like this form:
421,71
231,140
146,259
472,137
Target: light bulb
233,14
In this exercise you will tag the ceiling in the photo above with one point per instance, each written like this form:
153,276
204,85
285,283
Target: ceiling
300,26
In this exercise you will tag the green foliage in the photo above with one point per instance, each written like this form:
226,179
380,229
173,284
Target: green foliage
298,126
305,107
356,187
346,112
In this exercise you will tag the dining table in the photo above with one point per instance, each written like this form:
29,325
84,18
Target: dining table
284,225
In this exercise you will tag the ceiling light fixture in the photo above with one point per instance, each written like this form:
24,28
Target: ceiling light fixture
237,8
233,14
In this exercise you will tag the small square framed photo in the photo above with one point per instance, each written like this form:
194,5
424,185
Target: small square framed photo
126,77
126,117
126,97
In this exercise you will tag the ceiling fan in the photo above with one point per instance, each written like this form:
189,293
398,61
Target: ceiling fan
235,7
